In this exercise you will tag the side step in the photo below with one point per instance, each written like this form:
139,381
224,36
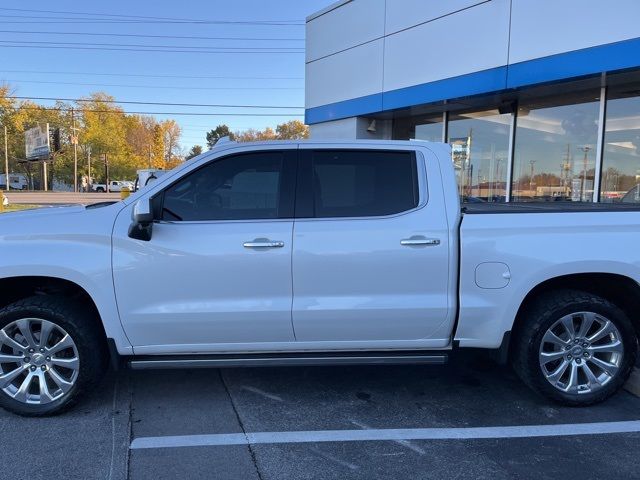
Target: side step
289,359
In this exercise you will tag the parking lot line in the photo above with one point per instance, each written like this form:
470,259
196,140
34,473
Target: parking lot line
468,433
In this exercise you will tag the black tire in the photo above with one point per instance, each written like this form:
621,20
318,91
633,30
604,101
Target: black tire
89,341
541,315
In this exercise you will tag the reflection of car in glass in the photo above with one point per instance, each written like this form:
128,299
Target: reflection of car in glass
632,196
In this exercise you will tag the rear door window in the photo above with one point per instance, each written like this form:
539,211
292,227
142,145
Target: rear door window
363,183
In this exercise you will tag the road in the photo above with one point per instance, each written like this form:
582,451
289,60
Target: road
219,413
53,198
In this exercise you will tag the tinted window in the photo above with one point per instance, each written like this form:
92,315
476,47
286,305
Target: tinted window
243,187
363,184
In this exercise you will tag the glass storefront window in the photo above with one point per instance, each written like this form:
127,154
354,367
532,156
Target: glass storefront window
621,157
427,128
480,150
555,149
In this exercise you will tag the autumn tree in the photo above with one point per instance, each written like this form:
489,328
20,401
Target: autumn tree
171,137
293,130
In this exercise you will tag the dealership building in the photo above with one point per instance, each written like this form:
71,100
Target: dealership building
539,99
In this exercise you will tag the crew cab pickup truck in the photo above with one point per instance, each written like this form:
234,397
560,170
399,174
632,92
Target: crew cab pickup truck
114,186
315,253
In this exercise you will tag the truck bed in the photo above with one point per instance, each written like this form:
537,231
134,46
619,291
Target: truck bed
547,207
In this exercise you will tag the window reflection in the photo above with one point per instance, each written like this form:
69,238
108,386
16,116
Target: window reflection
480,150
555,150
621,166
428,128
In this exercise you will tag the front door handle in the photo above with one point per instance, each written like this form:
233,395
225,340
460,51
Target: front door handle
259,243
420,241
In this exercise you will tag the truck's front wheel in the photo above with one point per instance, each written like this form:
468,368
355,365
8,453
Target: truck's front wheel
49,354
574,347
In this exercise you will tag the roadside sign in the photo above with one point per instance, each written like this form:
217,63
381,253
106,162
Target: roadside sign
37,143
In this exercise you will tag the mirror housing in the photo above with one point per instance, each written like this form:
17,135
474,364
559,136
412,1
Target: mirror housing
141,226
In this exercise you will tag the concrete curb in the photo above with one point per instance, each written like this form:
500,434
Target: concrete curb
633,384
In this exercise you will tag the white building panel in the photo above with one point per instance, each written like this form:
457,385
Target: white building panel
354,23
354,73
471,40
546,27
402,14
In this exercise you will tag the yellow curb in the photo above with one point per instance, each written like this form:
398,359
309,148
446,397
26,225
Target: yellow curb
633,384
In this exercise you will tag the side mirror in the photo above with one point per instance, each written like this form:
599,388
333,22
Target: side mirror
142,220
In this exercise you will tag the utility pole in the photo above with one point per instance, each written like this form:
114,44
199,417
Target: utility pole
6,158
74,140
532,163
90,182
586,150
149,155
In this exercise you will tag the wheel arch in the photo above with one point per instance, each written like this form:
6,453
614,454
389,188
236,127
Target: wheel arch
621,290
13,289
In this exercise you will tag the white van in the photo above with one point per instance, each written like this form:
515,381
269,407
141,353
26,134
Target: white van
17,181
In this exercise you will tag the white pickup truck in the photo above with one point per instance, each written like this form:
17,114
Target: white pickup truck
114,186
300,253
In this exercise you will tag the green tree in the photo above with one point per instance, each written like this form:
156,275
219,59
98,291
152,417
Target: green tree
194,152
217,133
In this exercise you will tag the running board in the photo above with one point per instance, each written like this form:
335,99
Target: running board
281,360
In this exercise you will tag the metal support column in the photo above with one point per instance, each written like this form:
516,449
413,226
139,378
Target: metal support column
597,178
511,155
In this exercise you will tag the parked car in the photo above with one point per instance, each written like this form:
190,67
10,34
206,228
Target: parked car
299,253
114,186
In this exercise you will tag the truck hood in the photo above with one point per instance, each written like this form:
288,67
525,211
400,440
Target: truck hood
52,222
43,211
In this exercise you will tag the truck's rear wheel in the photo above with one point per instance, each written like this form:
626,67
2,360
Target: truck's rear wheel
49,355
574,347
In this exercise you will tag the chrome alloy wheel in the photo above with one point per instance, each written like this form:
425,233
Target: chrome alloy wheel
581,353
39,361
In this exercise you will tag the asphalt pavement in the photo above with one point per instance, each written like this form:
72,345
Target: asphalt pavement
239,418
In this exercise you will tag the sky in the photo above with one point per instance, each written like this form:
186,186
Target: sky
252,53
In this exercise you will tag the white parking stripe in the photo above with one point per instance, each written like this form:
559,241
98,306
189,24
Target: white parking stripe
472,433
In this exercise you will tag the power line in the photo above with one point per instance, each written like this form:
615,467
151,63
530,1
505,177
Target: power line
84,20
132,102
138,45
138,35
178,87
66,12
146,75
149,50
195,114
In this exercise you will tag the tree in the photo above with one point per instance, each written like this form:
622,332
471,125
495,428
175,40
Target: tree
216,134
171,135
194,152
253,135
293,130
129,142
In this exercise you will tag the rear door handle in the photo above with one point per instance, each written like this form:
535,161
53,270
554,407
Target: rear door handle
263,244
420,241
